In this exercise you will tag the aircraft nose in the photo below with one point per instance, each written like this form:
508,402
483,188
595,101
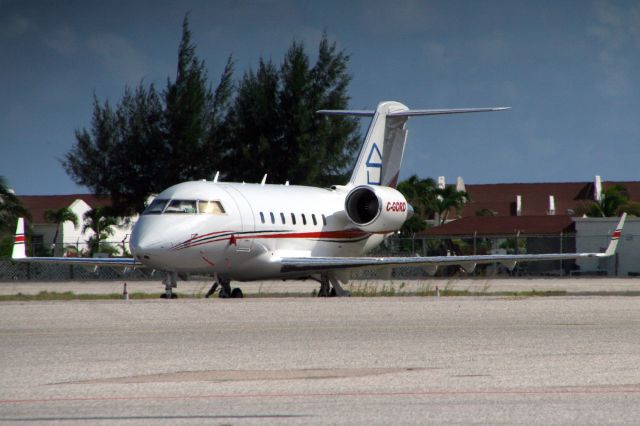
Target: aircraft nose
143,243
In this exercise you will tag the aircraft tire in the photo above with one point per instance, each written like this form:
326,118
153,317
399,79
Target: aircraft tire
164,296
236,293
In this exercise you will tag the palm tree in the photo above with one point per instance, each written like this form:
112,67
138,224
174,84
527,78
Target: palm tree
99,220
421,194
614,201
10,207
449,198
59,217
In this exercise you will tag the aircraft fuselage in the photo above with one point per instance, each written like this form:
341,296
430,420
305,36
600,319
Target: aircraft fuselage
241,230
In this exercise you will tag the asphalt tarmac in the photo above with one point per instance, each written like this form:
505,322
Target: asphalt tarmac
400,360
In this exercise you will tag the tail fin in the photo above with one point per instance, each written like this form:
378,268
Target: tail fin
381,154
19,251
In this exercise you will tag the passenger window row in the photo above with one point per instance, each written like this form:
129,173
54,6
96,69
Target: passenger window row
294,221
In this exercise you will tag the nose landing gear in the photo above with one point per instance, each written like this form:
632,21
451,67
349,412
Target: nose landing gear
170,282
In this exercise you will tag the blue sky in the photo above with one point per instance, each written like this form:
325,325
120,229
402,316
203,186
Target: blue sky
569,70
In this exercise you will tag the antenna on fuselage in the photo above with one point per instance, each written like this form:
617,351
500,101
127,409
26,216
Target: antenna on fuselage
264,179
215,178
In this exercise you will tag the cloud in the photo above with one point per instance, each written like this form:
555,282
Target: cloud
63,40
403,17
118,56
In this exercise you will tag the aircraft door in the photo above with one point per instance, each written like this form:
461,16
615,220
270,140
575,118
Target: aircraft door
247,218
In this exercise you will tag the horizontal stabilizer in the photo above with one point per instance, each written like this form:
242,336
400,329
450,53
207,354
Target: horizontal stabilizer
408,113
361,113
415,112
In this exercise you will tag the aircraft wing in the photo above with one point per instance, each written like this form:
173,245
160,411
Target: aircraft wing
320,264
20,255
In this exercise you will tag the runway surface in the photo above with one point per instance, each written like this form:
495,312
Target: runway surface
402,360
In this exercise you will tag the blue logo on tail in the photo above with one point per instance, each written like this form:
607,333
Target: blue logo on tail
374,166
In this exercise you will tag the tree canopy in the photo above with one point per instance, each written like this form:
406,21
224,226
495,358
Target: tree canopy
263,123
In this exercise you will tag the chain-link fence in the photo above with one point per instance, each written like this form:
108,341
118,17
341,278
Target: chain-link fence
625,263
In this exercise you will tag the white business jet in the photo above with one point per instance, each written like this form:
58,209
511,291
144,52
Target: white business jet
247,232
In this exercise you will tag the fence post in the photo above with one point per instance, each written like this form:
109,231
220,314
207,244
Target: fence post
561,248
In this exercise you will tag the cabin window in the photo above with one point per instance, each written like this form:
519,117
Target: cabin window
293,218
210,207
261,217
273,219
304,219
156,207
313,217
324,220
282,218
181,206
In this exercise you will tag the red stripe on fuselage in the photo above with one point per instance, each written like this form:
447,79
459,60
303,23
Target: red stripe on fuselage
296,235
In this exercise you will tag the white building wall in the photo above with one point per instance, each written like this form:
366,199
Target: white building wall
592,235
73,236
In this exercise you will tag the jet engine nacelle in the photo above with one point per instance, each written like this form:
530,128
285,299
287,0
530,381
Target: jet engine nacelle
377,208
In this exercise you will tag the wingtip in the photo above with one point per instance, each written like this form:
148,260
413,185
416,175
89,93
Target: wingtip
615,236
19,242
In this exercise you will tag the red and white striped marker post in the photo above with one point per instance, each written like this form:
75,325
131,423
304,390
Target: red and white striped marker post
125,293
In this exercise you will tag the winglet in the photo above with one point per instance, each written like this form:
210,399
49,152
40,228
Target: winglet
19,251
615,237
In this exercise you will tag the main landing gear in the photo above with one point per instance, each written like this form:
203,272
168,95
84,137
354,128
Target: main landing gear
226,292
330,286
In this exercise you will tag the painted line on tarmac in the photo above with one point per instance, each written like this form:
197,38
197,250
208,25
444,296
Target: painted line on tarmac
517,392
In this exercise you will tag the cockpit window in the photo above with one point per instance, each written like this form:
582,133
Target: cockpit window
181,206
210,207
185,206
155,207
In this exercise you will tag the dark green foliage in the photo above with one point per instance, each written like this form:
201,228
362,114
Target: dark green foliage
448,199
11,208
421,194
274,127
59,217
429,201
100,220
153,140
615,201
265,124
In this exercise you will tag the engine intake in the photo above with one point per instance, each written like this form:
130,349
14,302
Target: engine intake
376,208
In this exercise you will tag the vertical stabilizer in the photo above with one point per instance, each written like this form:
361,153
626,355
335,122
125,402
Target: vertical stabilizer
19,251
381,154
